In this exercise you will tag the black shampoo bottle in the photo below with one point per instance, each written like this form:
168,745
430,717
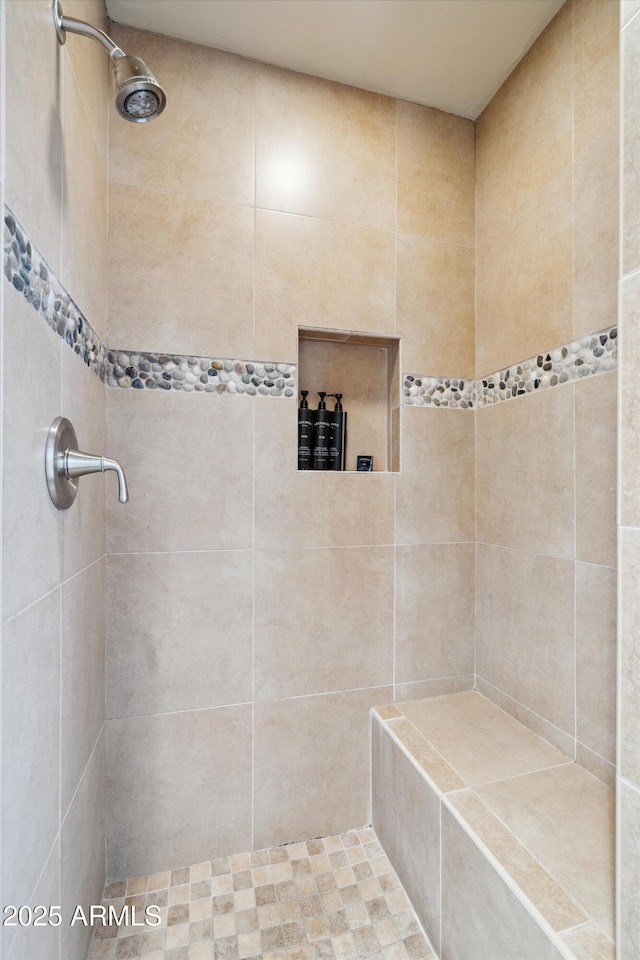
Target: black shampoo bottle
321,425
305,434
337,435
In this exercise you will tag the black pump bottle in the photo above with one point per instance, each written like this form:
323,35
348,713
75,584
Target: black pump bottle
305,434
337,435
321,425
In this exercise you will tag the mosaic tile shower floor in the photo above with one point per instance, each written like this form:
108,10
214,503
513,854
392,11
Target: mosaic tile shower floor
337,898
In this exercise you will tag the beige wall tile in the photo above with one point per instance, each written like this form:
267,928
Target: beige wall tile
603,769
322,274
333,630
31,530
84,210
306,509
33,124
629,653
310,777
589,941
179,631
360,372
435,634
82,854
436,493
596,25
525,493
92,69
524,136
179,789
547,896
188,462
595,232
596,658
494,922
84,526
196,291
82,674
629,830
433,688
406,818
630,239
628,9
525,630
324,149
435,306
566,818
30,745
436,166
472,735
629,494
202,146
524,278
562,741
596,435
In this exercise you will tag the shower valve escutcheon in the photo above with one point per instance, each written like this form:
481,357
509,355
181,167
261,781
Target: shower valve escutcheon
65,464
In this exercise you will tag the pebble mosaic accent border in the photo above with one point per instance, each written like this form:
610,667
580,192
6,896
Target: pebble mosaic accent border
201,374
27,270
596,353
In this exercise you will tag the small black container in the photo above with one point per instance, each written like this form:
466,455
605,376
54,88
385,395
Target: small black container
305,434
337,435
321,426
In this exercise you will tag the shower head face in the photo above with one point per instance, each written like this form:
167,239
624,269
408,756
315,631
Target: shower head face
139,96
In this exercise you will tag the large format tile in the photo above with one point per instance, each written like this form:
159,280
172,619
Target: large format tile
596,657
84,526
323,274
333,631
195,294
84,210
480,741
311,763
31,524
436,164
629,653
524,473
188,461
525,630
469,878
629,832
311,509
596,88
33,124
595,467
565,817
524,278
324,149
436,490
524,135
202,146
92,70
406,817
630,388
595,230
435,306
82,854
178,789
30,745
83,675
435,633
179,634
31,941
630,238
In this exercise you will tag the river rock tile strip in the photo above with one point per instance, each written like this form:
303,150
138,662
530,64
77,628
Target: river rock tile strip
27,270
588,356
335,898
154,371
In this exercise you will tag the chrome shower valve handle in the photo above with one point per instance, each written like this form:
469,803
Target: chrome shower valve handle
65,464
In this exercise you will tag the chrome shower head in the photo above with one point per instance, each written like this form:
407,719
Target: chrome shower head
139,96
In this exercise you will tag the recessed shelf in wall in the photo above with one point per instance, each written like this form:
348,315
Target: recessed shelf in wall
365,369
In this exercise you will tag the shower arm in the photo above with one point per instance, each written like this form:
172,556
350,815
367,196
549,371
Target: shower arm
66,25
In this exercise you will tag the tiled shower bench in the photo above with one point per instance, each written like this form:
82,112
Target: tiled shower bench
503,844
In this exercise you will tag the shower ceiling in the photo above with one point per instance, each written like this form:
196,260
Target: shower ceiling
449,54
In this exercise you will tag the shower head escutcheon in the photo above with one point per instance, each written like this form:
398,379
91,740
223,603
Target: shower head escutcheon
139,96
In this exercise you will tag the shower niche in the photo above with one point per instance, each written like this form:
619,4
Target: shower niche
366,370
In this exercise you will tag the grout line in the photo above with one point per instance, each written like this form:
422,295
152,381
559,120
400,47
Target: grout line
282,548
545,556
58,586
529,710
